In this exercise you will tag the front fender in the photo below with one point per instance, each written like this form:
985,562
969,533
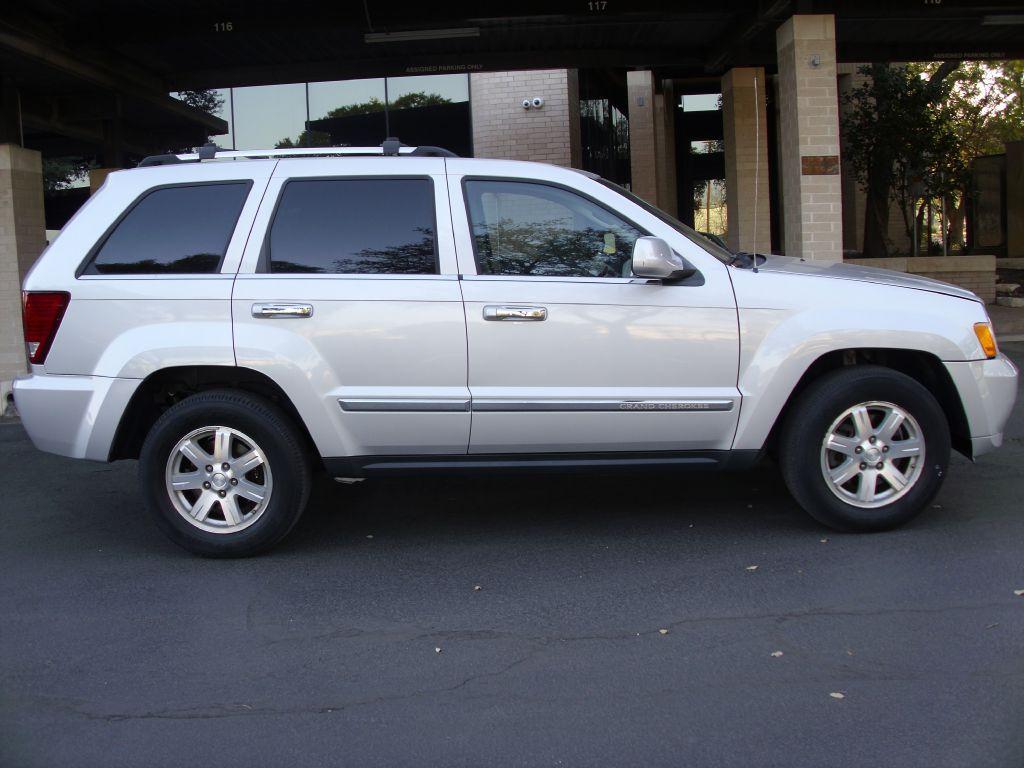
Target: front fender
779,344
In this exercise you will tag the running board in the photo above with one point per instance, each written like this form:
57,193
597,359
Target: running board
366,466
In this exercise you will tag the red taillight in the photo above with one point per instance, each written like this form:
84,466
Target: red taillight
41,313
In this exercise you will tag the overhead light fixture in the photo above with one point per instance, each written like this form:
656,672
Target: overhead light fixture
421,34
1002,19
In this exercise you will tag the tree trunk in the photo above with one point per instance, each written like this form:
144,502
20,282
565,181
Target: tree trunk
916,234
956,222
877,187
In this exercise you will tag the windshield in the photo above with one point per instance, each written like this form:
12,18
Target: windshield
689,233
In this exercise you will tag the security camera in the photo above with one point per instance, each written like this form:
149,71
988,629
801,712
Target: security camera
526,103
538,102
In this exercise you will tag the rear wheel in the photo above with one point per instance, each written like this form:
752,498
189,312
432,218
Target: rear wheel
225,474
865,448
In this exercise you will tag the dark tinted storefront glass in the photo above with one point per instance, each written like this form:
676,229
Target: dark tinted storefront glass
354,226
176,230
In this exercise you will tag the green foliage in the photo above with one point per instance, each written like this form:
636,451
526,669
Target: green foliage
913,131
62,172
892,129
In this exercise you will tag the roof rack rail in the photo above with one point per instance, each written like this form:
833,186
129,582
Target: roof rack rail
390,148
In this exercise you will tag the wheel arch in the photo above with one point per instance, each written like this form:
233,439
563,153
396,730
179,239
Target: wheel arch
167,386
923,367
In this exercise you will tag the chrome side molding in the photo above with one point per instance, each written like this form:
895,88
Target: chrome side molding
416,405
435,405
491,406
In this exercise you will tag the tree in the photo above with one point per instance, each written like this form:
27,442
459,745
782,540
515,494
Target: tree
892,136
982,110
306,139
61,172
208,101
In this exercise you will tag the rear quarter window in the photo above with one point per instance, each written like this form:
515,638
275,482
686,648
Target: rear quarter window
179,230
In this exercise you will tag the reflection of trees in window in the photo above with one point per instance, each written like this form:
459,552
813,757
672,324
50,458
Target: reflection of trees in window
550,248
310,138
415,257
197,263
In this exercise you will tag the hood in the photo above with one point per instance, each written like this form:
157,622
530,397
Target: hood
793,266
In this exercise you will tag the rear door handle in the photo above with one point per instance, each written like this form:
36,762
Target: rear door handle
275,309
494,312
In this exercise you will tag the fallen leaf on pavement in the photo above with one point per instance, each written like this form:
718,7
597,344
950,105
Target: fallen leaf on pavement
837,695
1019,592
663,631
751,567
776,654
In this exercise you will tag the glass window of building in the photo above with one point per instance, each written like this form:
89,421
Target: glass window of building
266,115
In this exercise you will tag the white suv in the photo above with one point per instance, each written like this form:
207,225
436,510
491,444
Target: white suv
237,320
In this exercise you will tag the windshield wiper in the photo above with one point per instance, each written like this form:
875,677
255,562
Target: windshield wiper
746,260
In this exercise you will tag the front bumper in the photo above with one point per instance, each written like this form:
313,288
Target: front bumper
988,390
74,416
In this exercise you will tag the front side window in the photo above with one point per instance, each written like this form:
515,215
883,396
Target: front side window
524,228
174,230
354,226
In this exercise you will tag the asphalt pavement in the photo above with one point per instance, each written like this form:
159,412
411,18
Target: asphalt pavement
677,620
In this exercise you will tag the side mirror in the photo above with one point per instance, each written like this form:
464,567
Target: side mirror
653,258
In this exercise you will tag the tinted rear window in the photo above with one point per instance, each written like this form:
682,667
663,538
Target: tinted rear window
174,230
354,226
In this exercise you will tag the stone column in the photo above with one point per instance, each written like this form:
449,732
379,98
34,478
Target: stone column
22,239
809,137
665,148
502,128
97,176
744,121
643,142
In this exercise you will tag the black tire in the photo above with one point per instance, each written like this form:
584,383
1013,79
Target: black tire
278,438
808,422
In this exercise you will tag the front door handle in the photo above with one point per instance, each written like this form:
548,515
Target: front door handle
493,312
275,309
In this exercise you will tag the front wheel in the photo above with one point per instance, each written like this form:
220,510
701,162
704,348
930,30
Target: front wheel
225,473
865,448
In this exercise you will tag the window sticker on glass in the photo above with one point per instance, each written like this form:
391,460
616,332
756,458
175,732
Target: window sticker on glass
609,243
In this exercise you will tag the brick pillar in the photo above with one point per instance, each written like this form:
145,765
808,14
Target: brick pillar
744,121
665,148
97,176
643,142
809,137
502,128
22,239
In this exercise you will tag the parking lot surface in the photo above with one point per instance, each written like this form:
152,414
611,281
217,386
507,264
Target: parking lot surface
684,620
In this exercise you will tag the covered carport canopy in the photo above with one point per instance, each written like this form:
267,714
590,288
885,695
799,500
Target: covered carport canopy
97,72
